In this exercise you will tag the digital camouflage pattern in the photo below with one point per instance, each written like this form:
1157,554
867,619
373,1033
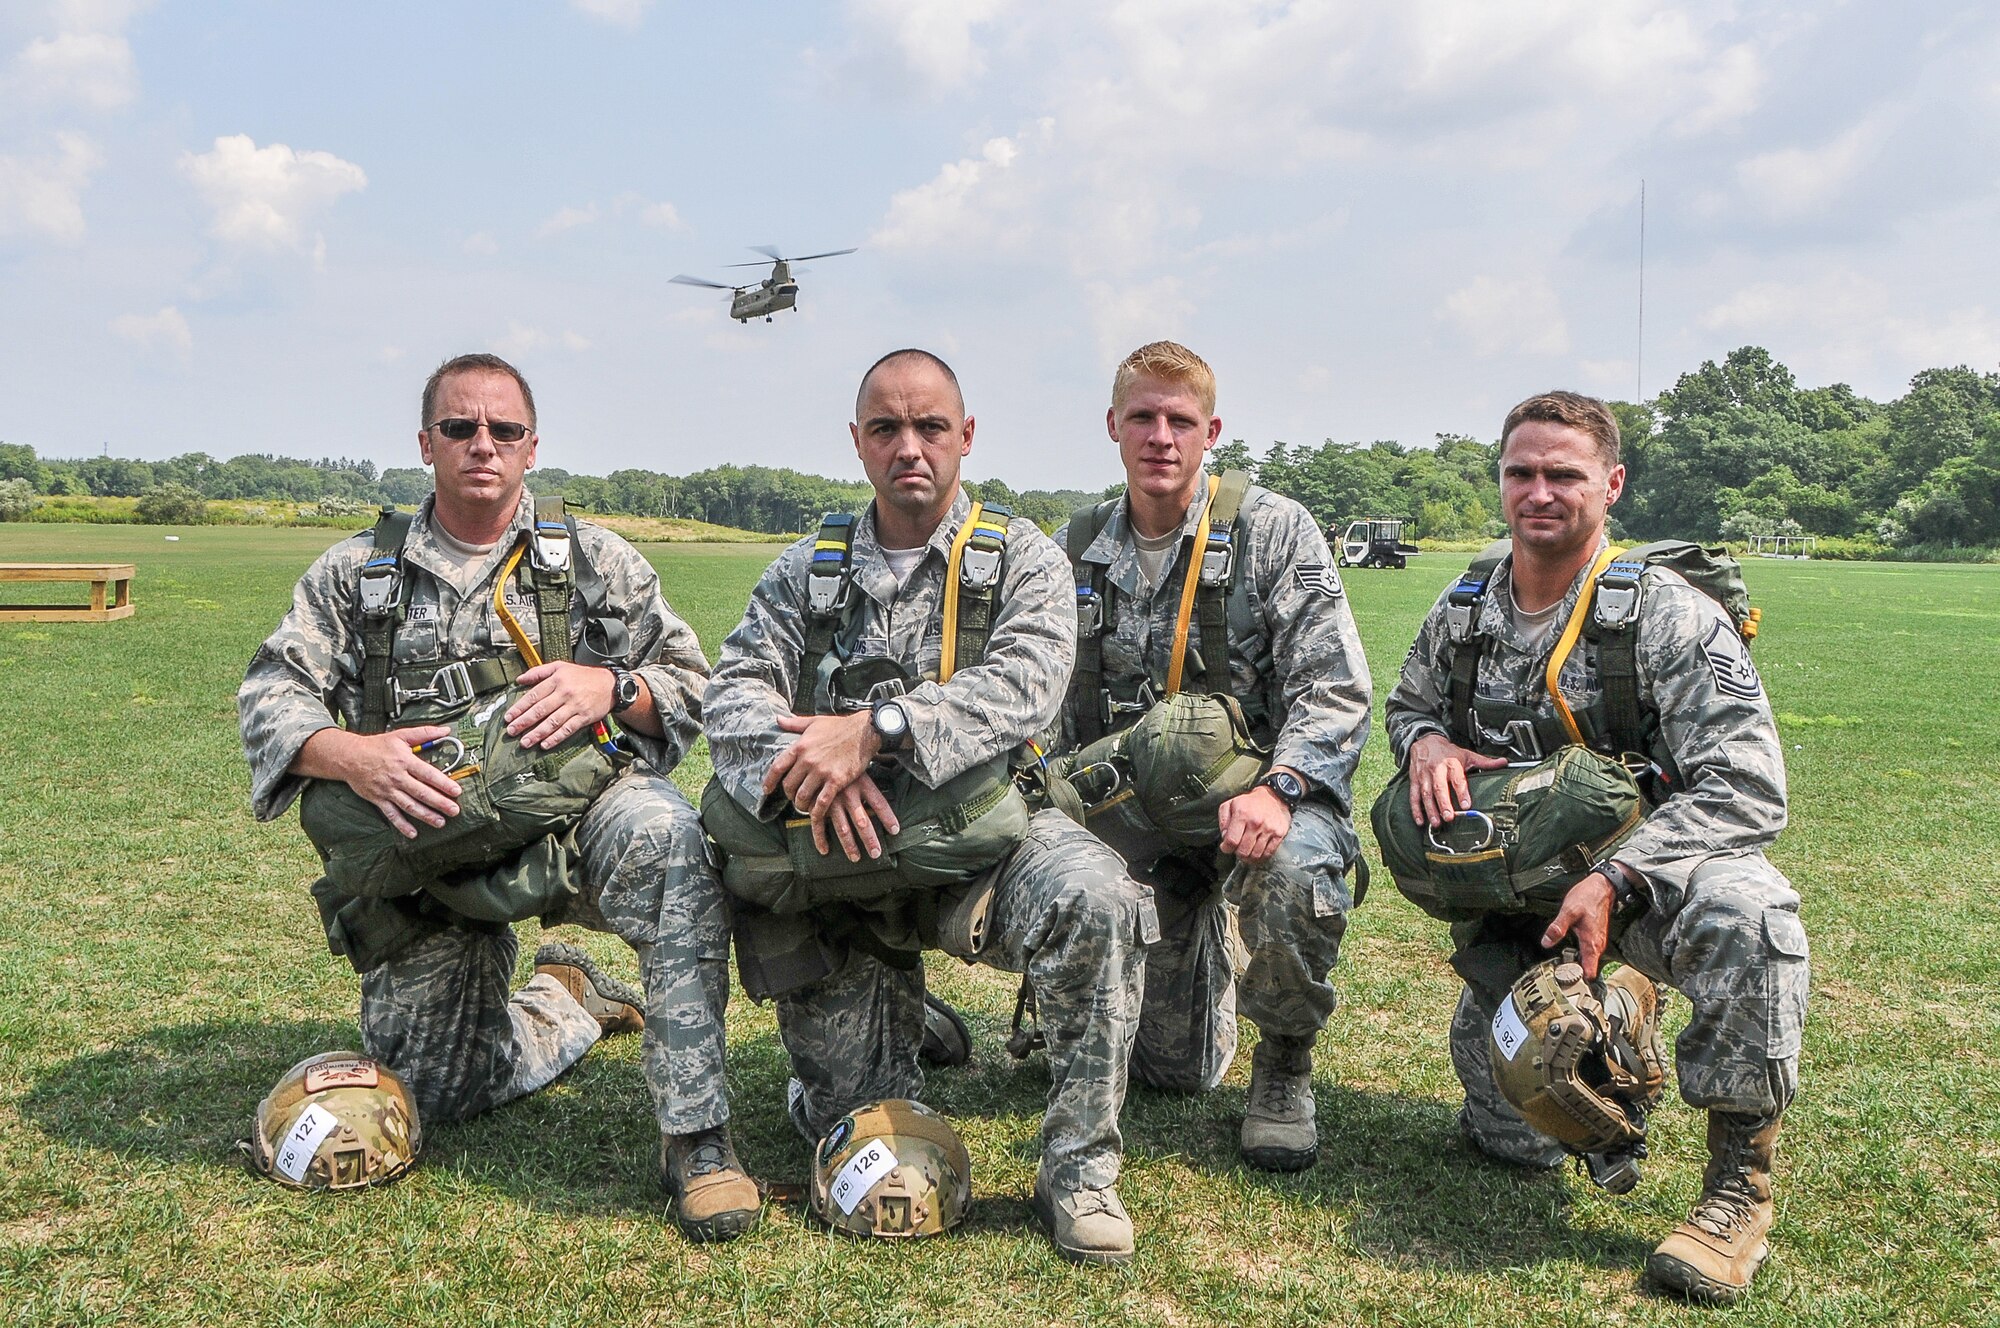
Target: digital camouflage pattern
440,1013
1065,911
1723,926
1295,649
989,707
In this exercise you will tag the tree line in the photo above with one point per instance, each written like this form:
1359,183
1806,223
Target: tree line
1732,449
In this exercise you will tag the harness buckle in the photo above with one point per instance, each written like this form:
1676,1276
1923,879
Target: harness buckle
380,579
551,547
826,593
1110,707
1217,559
1516,735
452,684
1463,599
978,568
451,687
1618,595
1616,606
1089,611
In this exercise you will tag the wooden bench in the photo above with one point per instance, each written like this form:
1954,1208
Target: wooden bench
110,592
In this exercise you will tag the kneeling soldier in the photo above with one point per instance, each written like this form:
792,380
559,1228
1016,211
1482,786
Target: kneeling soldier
1548,656
459,638
863,720
1208,599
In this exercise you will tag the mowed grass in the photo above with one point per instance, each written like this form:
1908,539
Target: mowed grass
163,964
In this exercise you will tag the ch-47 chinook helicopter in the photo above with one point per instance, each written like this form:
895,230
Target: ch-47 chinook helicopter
779,290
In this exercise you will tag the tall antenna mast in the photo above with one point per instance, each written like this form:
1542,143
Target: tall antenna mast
1639,371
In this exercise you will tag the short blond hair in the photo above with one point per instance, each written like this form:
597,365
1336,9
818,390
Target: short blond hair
1170,362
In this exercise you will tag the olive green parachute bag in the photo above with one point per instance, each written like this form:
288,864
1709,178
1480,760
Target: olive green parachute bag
1160,784
948,835
506,856
1532,833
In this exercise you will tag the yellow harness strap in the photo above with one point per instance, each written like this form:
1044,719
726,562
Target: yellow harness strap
948,654
1572,630
1177,663
507,619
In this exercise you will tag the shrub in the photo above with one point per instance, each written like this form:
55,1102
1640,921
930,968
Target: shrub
17,499
172,504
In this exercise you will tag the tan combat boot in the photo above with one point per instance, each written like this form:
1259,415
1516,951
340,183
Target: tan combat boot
1712,1256
713,1198
617,1006
1086,1226
1278,1129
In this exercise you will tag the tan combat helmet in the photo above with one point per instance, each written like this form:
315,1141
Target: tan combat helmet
1582,1061
893,1168
335,1121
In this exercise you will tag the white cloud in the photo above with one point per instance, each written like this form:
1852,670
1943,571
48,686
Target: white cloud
1848,325
932,39
265,198
1519,315
946,211
622,13
1797,182
567,219
575,341
662,214
44,195
480,245
163,330
93,69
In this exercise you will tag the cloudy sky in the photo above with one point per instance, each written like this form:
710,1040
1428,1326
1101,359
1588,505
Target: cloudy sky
235,226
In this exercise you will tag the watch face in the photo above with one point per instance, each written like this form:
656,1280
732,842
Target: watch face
627,691
890,720
1286,785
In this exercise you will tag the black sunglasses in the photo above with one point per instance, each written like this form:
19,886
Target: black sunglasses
501,431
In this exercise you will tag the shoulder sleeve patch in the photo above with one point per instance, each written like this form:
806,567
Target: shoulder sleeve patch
1319,579
1729,660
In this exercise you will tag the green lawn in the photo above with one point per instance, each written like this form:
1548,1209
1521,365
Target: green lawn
163,965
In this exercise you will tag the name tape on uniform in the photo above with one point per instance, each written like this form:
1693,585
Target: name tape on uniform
1509,1033
302,1141
860,1174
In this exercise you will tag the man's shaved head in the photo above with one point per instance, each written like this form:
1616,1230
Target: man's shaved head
909,353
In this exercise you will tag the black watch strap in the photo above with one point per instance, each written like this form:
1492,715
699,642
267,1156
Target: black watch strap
1624,888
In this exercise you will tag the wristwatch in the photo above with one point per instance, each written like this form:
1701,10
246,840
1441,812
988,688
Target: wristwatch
1624,888
1291,790
892,724
624,689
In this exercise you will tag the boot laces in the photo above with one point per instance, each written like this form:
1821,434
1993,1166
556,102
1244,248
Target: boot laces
706,1154
1729,1205
1088,1203
1277,1088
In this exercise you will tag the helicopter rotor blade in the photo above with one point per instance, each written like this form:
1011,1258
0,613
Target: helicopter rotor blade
686,280
769,251
831,253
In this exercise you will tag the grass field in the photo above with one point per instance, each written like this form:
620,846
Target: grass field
163,965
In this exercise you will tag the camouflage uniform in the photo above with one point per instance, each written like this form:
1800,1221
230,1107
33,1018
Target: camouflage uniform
1722,926
1065,911
1295,660
439,1013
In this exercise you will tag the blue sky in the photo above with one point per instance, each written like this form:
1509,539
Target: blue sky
236,227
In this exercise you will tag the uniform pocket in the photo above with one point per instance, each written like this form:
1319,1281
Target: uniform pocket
1789,974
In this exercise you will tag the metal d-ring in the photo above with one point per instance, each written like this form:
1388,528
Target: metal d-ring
1492,833
457,755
